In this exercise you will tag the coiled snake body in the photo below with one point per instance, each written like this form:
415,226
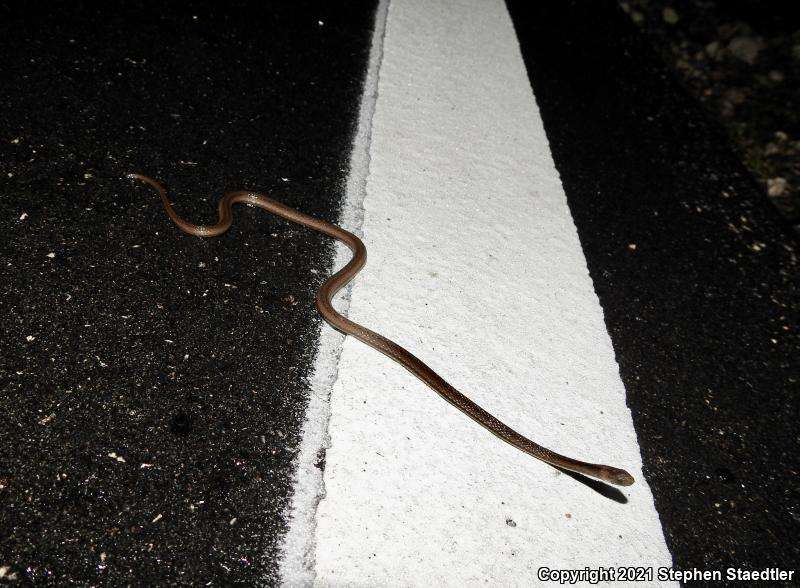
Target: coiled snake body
413,364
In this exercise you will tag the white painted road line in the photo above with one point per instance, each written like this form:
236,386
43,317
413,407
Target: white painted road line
297,553
475,266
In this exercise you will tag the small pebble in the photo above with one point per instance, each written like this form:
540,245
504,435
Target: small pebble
670,15
776,187
746,48
775,76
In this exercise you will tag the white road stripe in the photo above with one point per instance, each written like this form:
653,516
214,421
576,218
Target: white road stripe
475,266
297,552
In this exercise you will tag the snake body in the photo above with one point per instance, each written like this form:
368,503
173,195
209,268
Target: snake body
402,356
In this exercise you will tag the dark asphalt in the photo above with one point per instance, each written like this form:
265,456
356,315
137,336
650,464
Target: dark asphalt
698,280
153,385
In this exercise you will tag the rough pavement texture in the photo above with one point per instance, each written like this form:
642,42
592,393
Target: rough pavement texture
153,384
698,280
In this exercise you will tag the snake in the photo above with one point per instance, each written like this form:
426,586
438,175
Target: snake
399,354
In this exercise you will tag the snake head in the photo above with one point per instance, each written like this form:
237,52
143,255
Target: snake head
617,476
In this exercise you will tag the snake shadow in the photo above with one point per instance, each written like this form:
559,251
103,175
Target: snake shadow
605,490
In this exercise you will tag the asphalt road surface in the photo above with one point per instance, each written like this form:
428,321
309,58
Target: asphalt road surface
155,387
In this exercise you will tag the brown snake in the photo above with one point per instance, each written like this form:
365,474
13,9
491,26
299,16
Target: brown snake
413,364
